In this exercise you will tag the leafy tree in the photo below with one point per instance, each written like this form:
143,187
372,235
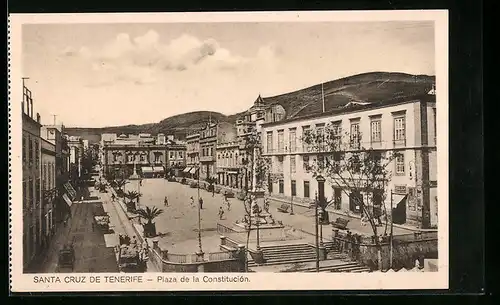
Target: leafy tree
361,173
149,214
252,162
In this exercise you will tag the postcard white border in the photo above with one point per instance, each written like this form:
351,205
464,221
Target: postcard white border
258,281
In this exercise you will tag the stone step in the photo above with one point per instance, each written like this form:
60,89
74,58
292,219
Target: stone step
288,250
285,246
342,267
281,262
287,258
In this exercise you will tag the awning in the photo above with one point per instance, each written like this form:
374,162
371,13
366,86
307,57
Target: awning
193,170
68,201
147,169
111,240
158,169
186,170
70,190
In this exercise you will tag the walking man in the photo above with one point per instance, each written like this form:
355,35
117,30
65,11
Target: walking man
228,205
201,203
221,212
165,201
113,197
192,201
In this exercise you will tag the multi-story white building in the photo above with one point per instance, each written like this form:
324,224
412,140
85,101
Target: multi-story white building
405,125
192,154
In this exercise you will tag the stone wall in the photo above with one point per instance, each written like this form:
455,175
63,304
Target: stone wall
235,264
406,249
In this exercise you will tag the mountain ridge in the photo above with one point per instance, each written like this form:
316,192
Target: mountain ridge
368,87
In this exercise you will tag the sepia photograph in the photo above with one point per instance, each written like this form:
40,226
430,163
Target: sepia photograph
233,148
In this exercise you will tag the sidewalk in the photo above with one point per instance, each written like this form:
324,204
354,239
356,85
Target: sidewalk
91,253
121,222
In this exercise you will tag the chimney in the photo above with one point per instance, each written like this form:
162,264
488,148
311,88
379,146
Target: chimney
38,118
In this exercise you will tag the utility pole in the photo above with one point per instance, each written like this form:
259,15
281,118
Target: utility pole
200,250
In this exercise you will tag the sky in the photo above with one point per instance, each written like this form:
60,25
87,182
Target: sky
96,75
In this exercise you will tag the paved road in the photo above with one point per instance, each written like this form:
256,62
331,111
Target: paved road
91,253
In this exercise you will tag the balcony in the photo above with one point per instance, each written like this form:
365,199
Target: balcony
207,159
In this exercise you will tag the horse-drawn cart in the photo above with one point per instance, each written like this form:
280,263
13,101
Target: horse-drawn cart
102,222
66,261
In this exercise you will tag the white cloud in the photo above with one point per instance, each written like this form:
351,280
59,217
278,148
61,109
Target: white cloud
144,58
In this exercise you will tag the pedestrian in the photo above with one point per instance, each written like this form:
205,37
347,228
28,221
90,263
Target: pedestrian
113,197
221,212
228,205
133,243
192,201
140,182
165,201
201,203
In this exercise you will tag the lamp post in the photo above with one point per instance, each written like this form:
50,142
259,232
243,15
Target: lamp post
320,200
391,253
316,228
200,250
291,193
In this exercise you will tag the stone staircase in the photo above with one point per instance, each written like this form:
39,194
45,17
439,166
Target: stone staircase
286,254
302,253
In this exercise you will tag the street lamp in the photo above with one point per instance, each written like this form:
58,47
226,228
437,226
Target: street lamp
319,199
291,193
200,250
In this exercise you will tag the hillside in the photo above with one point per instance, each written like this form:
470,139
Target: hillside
367,87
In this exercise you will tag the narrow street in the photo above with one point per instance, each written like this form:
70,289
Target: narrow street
91,253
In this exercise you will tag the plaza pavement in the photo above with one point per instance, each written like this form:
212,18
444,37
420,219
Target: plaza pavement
178,224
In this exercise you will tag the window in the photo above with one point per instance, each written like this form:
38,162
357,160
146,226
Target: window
24,149
131,158
293,188
293,164
279,164
269,141
435,124
30,151
355,140
37,191
336,134
305,132
320,136
281,186
337,196
292,138
306,189
305,163
399,129
37,153
281,141
400,164
172,155
375,130
180,155
25,194
45,176
211,151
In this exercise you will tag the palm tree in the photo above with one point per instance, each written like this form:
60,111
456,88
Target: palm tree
149,214
119,184
132,196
